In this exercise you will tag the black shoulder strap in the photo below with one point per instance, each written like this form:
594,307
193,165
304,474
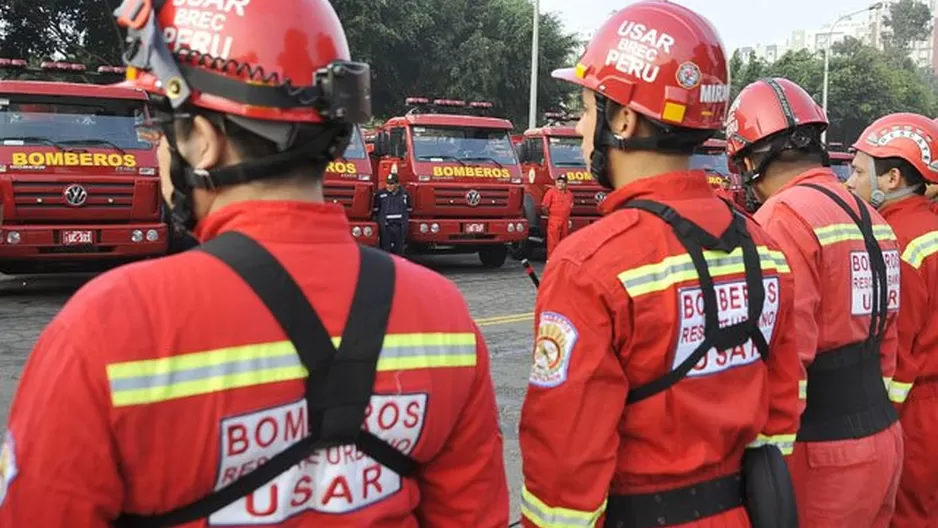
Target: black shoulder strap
340,383
695,239
880,311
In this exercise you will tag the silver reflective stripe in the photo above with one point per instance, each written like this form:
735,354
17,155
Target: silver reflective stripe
393,216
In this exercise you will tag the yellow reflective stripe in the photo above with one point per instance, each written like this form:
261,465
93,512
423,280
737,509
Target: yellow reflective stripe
899,391
784,442
155,380
921,248
802,389
673,270
544,516
835,233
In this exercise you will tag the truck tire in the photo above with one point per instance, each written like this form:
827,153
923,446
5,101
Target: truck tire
521,249
493,256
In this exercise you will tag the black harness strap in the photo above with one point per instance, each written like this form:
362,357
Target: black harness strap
695,240
340,382
880,311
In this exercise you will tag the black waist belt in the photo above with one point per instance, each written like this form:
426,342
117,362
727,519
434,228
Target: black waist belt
847,397
677,506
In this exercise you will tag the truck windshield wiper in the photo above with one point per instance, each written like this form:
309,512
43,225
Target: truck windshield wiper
93,142
485,158
569,164
34,139
453,158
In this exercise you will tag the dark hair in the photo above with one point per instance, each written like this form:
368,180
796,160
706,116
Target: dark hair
253,146
801,144
909,173
684,140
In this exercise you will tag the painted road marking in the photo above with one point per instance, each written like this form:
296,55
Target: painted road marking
505,319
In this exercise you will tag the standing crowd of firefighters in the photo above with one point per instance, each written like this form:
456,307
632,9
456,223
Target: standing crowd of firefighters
693,365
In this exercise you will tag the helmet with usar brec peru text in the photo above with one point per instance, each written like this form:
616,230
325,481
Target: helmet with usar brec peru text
664,62
279,70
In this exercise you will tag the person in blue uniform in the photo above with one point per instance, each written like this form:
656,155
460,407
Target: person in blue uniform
392,210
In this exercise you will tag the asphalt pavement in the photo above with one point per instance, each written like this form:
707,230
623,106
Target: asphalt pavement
501,301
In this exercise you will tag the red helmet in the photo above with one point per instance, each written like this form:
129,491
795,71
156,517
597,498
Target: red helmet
908,136
767,107
660,59
247,59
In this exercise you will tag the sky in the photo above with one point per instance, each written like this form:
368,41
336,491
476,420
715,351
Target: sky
740,23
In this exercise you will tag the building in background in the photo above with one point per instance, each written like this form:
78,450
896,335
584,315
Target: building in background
867,27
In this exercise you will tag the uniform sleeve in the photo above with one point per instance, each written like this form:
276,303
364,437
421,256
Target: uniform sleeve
576,396
465,485
913,313
802,252
547,201
59,467
785,372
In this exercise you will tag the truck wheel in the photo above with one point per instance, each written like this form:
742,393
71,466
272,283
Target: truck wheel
520,250
493,256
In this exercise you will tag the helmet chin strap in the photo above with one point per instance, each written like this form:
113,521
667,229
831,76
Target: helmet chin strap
599,159
877,196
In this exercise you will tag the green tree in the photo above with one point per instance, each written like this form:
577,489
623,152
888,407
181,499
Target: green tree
908,21
467,49
78,30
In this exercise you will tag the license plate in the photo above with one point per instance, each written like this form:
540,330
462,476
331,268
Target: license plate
77,238
473,228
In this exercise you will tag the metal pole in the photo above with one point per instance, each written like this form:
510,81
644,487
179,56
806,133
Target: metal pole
532,109
827,58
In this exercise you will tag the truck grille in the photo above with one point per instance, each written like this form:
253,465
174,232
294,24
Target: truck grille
585,202
33,195
339,194
457,197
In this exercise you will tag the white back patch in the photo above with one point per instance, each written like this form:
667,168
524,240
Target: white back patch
733,305
556,337
334,480
8,467
861,281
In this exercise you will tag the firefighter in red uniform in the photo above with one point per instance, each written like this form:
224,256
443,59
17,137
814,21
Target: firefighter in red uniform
894,161
205,387
845,262
664,345
558,202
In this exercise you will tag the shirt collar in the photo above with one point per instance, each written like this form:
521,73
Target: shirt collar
279,221
681,185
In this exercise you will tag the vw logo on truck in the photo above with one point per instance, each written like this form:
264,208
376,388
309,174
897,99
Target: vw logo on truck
473,198
75,195
599,197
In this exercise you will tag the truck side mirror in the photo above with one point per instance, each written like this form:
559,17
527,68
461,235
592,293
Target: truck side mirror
522,151
381,145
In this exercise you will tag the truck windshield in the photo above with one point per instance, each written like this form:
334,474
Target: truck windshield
566,151
356,147
75,121
463,143
713,161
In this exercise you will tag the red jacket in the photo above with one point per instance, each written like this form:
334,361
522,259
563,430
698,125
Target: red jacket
615,310
826,253
916,226
558,204
226,391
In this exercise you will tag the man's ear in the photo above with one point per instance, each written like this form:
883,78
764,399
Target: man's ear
892,180
204,146
624,123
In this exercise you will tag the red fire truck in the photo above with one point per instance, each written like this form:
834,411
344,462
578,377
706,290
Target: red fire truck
841,161
78,181
348,181
545,154
462,175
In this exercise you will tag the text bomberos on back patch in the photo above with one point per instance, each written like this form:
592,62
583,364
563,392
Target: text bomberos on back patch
334,480
733,305
861,281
